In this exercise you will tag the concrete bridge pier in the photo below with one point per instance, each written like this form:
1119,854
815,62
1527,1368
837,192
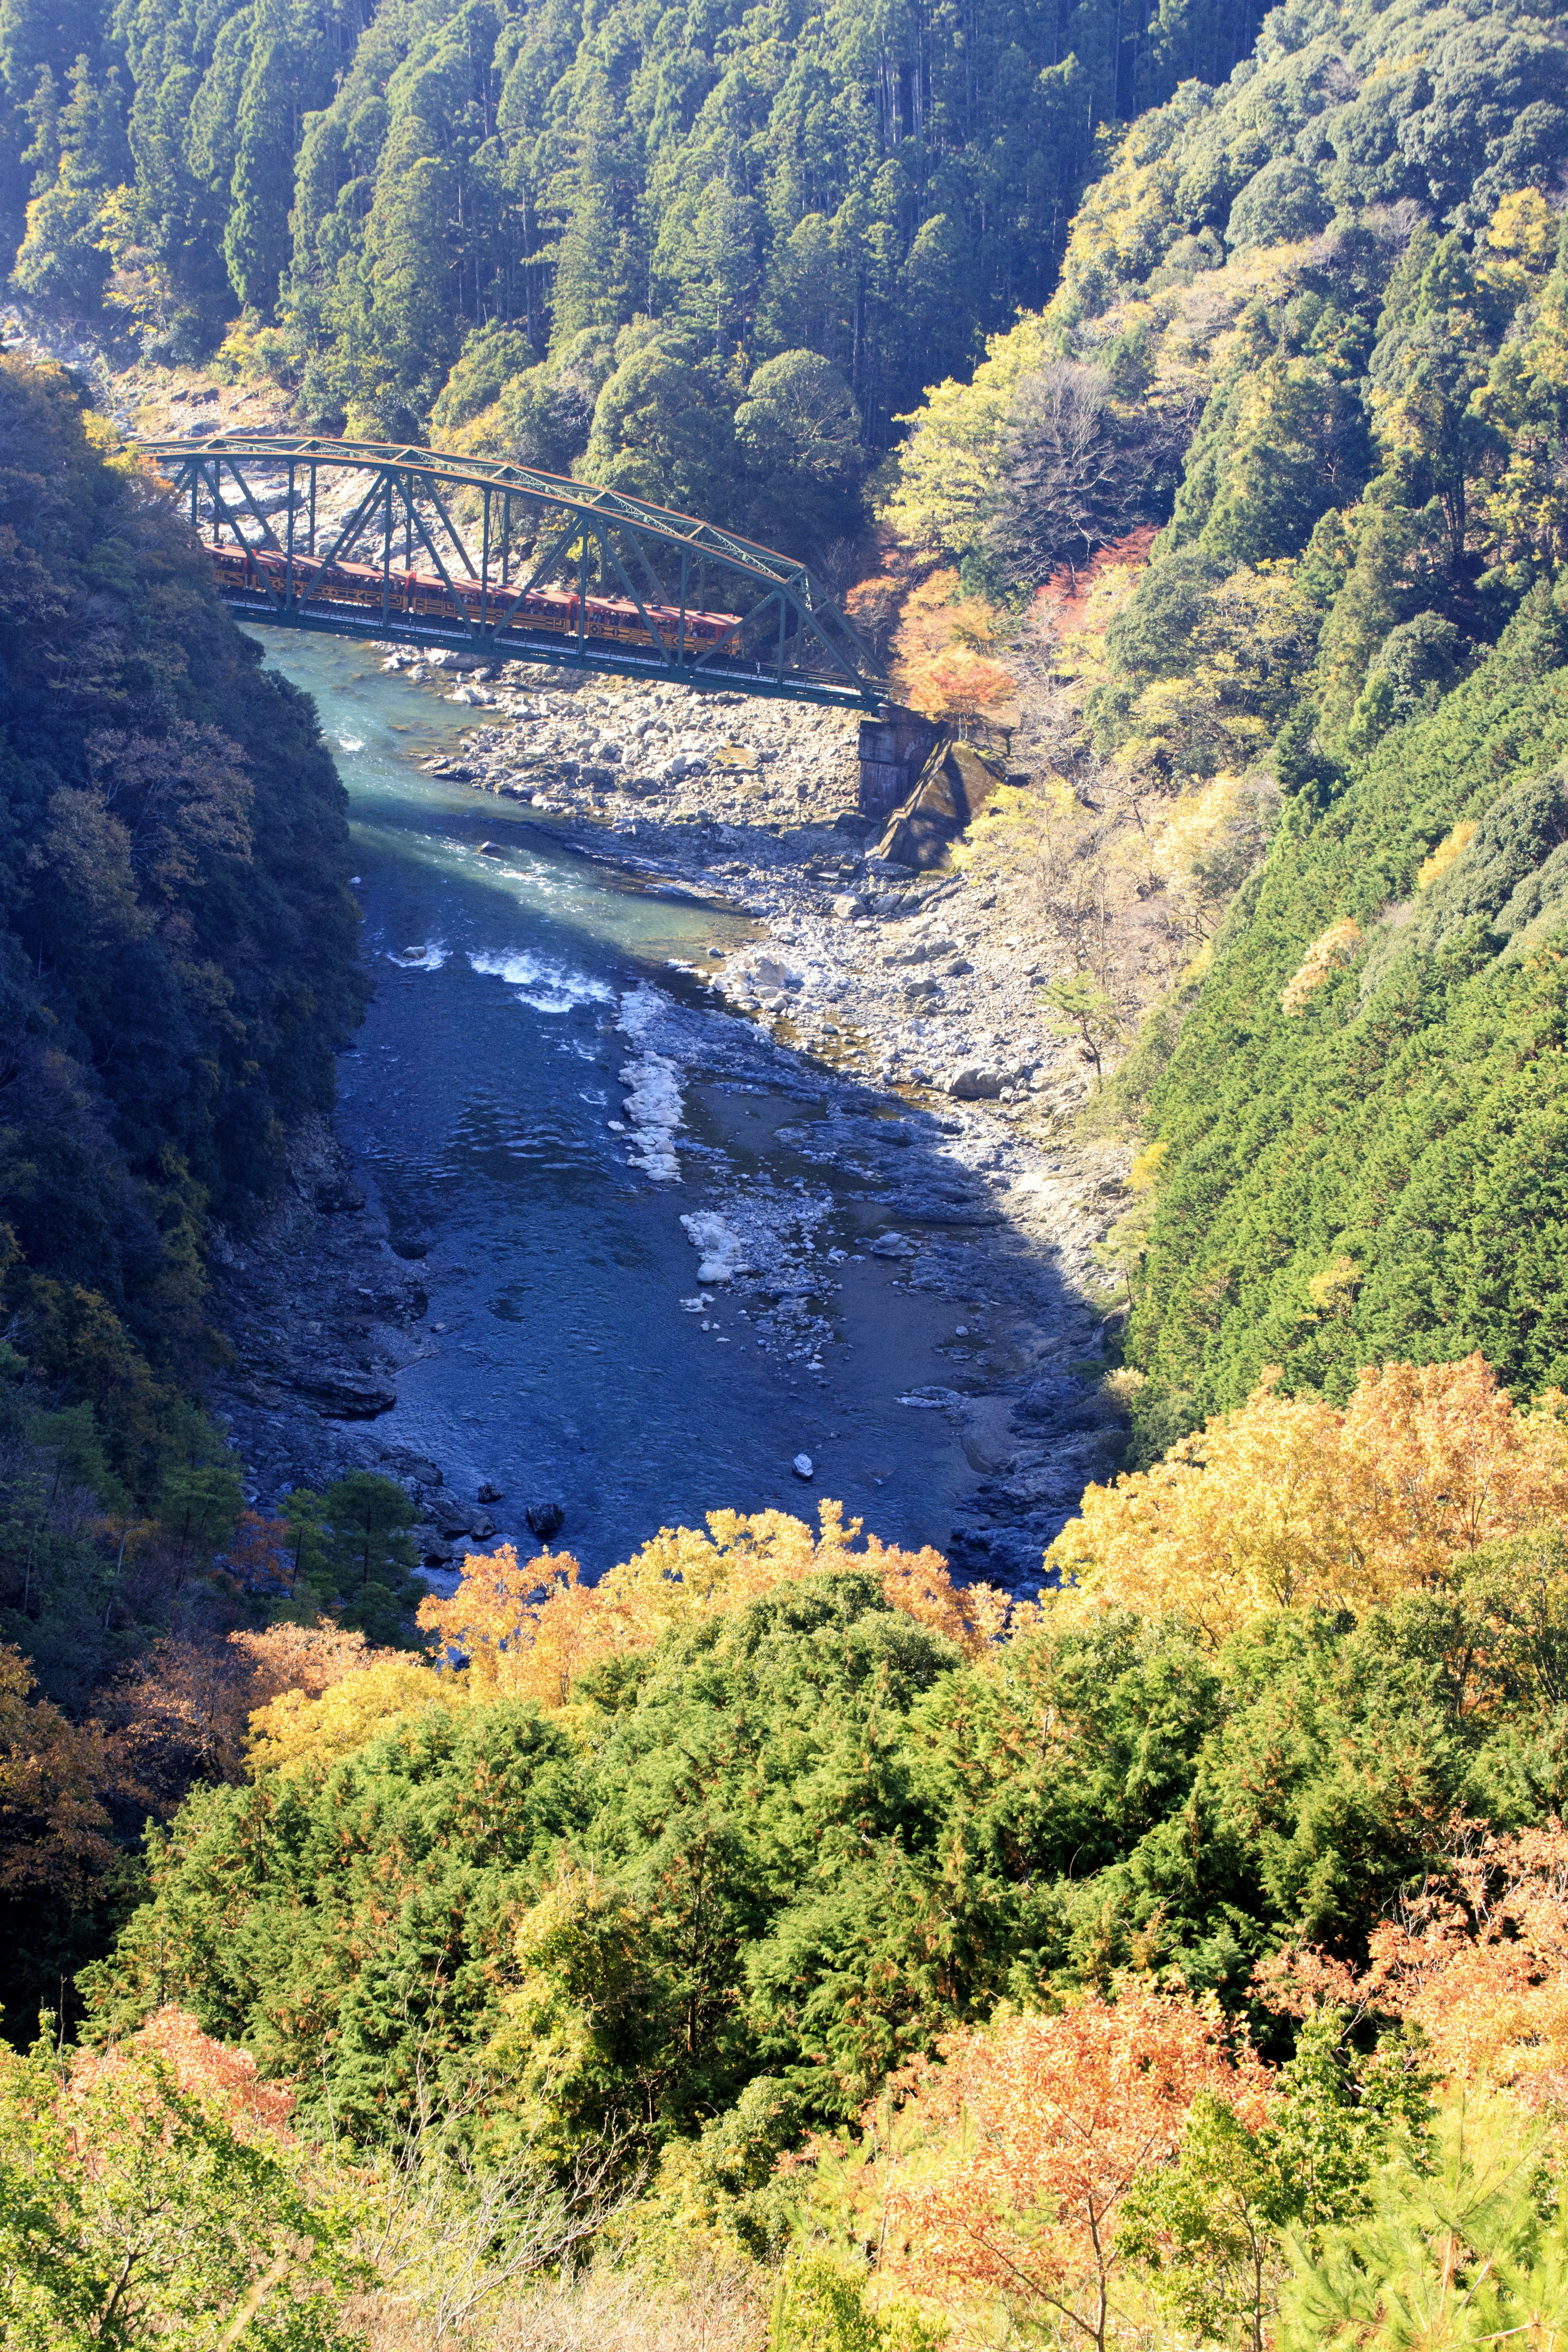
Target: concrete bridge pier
894,748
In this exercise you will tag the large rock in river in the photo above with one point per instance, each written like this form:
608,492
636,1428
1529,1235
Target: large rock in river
345,1395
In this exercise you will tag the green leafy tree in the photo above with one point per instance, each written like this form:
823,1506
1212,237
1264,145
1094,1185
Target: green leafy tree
591,282
269,1918
708,268
39,40
663,431
407,322
304,1517
1080,1008
1281,440
491,358
62,252
1208,2229
134,2211
1419,1180
1212,2230
1430,360
200,1502
797,435
818,2307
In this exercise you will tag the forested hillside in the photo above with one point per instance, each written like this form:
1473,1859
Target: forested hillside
1342,280
613,221
762,1928
178,963
180,946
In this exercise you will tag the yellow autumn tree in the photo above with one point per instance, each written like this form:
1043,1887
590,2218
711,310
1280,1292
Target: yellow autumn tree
944,470
529,1628
522,1630
1447,852
1293,1500
1326,955
301,1730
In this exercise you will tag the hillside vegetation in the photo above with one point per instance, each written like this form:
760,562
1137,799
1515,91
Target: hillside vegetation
709,255
178,964
1340,666
729,1942
775,1944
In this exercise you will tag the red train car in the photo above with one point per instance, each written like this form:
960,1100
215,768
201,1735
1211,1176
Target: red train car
424,595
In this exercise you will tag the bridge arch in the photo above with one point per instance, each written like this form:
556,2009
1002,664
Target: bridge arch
361,537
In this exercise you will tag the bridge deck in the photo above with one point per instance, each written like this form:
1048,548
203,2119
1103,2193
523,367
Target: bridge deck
505,564
523,645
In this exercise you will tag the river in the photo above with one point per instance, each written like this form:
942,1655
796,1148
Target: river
540,1094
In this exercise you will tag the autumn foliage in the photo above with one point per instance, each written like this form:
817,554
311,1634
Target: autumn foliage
946,651
1066,597
1292,1500
529,1630
1477,1960
222,2079
1332,952
154,2193
1037,2128
58,1779
189,1709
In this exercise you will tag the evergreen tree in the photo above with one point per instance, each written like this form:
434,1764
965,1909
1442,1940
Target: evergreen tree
39,42
590,279
663,431
256,235
62,252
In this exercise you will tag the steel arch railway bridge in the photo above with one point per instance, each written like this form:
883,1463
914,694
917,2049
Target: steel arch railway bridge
370,538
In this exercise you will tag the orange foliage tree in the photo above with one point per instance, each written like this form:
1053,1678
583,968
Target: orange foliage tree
1477,1959
1036,2128
1292,1500
56,1779
258,1557
185,1710
219,2076
945,652
529,1630
957,683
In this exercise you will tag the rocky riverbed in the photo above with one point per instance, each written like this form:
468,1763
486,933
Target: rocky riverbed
866,1130
954,1107
918,978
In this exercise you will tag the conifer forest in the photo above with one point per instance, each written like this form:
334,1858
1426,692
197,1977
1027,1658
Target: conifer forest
1025,1808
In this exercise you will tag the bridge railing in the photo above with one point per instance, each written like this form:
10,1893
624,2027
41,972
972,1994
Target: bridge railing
422,547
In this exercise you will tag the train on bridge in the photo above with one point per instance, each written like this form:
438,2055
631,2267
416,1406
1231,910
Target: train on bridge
401,596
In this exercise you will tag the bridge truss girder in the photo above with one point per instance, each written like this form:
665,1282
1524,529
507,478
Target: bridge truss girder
566,573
